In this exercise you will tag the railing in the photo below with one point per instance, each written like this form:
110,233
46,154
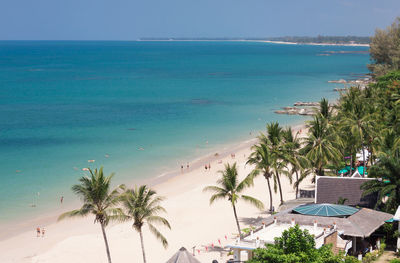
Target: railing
348,245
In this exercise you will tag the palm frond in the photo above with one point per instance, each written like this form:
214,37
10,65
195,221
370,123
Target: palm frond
255,202
158,235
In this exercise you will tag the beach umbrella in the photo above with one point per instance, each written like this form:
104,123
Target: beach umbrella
326,210
183,256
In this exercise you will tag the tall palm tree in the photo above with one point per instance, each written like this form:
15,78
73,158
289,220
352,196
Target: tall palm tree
98,200
387,171
321,144
358,122
275,143
324,109
229,187
263,160
298,162
142,206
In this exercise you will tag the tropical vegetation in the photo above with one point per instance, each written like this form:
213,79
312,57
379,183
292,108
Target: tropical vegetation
142,206
297,246
230,187
99,200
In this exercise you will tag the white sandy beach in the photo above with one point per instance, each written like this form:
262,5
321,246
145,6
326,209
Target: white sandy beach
194,223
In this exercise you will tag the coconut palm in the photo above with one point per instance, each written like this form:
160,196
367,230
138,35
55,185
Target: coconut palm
387,171
324,109
142,206
299,164
98,200
230,188
275,143
263,160
358,122
321,144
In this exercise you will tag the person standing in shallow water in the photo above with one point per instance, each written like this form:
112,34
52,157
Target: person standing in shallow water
209,166
43,231
38,232
205,167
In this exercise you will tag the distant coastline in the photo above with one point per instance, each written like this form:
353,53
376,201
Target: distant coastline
311,43
259,41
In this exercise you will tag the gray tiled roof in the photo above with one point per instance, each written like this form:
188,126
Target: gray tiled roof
361,224
330,189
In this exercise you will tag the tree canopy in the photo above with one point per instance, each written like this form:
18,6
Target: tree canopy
295,246
385,49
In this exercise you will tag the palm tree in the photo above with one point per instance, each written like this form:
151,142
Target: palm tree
324,109
358,122
321,144
263,160
230,187
142,206
275,143
298,162
97,200
387,170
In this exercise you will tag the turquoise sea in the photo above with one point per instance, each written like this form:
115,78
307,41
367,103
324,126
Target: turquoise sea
64,103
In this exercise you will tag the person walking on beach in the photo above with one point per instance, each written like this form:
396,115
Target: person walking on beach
209,167
205,167
181,168
62,199
38,232
187,166
43,231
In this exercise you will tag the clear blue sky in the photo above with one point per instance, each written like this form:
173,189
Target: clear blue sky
132,19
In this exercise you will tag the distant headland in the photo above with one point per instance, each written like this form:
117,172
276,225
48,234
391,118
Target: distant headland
293,40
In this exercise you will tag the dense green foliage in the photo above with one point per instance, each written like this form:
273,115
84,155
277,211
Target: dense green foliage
385,49
295,246
388,187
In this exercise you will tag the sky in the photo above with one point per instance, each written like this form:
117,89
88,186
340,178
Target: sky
133,19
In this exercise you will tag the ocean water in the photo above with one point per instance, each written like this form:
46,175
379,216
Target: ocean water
141,108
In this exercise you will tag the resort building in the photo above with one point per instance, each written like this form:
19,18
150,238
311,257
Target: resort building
346,188
347,228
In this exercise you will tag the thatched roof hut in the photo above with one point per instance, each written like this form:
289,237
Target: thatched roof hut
182,256
361,224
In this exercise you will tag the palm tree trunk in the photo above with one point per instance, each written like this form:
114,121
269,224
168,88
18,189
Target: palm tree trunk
351,164
106,242
280,187
237,220
141,242
363,175
270,194
297,184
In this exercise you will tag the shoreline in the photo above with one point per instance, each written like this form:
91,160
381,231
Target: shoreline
171,185
21,225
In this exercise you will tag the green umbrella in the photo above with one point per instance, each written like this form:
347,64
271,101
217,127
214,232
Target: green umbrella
326,210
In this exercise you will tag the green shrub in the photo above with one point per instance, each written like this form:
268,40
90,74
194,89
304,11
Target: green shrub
351,259
370,257
396,260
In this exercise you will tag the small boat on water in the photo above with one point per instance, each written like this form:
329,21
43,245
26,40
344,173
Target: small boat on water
85,169
91,161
